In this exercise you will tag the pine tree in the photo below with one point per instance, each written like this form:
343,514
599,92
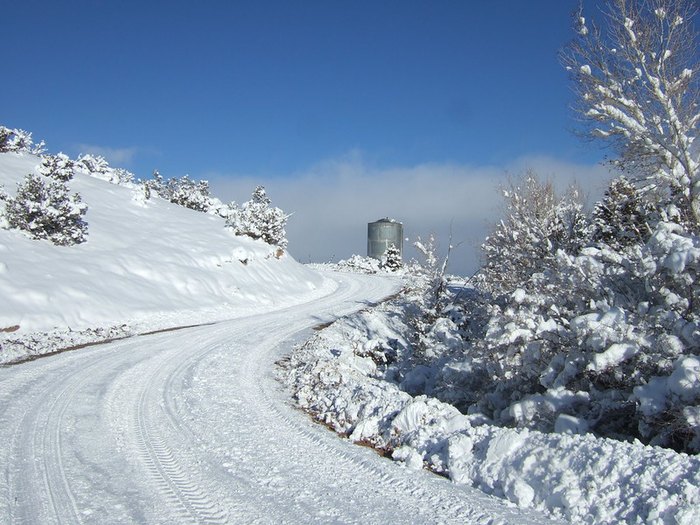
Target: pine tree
5,136
18,140
188,193
43,208
258,219
58,167
93,164
392,259
623,218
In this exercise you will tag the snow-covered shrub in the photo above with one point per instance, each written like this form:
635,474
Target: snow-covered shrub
45,210
122,176
58,167
257,219
93,164
5,136
391,260
98,167
183,191
431,319
18,140
155,186
575,334
537,225
188,193
359,264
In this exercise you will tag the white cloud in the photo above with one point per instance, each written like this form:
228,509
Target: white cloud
334,200
116,157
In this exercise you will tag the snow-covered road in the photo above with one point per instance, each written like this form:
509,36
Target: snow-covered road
191,426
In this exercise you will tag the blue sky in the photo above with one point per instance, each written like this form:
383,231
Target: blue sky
276,92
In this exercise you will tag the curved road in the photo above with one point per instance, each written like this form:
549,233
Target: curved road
191,427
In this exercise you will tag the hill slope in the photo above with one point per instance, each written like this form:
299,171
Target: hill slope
150,264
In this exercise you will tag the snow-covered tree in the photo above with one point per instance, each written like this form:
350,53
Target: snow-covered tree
18,140
94,164
122,176
188,193
58,167
5,138
154,186
257,218
184,191
625,217
391,260
636,78
44,208
538,223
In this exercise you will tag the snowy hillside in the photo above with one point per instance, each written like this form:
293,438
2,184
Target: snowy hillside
151,264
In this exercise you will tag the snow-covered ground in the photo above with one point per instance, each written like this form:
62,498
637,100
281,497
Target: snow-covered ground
172,422
188,422
145,266
192,427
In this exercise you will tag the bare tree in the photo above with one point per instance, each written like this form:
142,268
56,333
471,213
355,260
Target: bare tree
635,74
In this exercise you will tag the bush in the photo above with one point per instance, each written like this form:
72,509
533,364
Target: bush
43,208
188,193
18,140
58,167
257,219
93,164
184,191
538,224
391,260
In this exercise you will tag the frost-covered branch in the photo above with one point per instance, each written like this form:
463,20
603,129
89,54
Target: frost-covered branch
636,79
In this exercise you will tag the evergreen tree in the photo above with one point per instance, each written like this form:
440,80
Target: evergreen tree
93,164
58,167
188,193
18,140
623,218
43,208
258,219
391,259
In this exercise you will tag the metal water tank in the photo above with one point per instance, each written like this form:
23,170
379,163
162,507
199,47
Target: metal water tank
381,234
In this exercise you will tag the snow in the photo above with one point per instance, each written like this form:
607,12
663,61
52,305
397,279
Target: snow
191,425
570,474
147,264
187,423
613,356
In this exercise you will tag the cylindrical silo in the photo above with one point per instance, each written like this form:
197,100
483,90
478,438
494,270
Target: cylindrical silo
381,234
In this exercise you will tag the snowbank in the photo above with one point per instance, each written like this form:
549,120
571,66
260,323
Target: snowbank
151,264
338,378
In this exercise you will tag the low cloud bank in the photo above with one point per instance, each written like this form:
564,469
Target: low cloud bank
334,200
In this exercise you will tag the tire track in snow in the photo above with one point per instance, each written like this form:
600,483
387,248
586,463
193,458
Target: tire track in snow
179,485
192,427
40,430
280,454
